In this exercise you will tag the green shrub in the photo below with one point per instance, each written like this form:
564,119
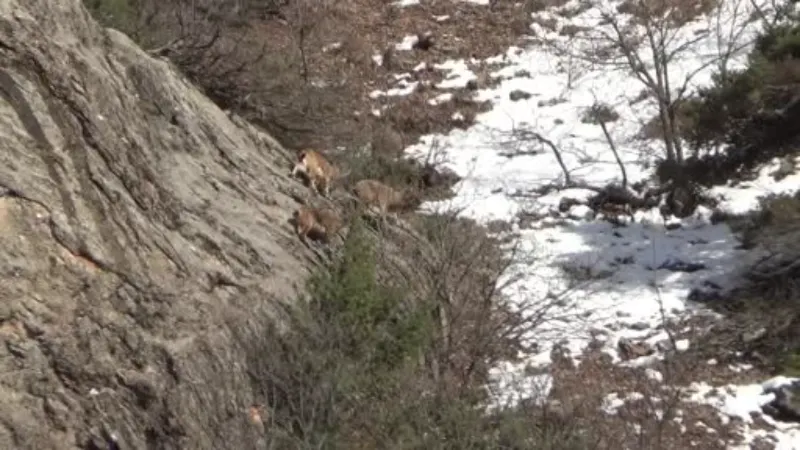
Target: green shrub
766,303
781,43
347,372
718,111
723,113
377,323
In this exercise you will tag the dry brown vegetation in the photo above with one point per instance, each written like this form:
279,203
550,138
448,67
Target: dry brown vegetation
303,69
393,346
762,319
680,12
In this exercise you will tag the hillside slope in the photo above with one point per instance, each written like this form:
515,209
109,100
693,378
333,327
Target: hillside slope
139,225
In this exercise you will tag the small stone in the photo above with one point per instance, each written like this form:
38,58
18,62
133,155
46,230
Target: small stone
424,41
639,326
664,345
785,168
566,203
518,94
522,74
786,406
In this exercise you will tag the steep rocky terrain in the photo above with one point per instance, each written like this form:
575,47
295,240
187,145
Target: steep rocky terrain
139,226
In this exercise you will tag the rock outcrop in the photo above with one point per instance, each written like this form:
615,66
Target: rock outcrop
141,228
785,406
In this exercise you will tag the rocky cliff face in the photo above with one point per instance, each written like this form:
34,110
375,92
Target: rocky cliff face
140,226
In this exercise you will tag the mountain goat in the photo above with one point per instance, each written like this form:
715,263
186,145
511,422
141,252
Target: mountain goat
317,223
382,197
320,172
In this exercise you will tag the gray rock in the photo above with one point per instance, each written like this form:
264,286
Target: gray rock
786,167
676,265
566,203
125,188
518,94
665,345
704,296
639,326
786,406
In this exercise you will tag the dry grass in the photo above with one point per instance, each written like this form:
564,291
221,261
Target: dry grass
314,92
533,6
657,416
681,11
414,117
364,28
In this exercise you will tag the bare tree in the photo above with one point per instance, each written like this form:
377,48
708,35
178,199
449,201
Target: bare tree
647,38
465,276
304,16
771,12
201,38
602,114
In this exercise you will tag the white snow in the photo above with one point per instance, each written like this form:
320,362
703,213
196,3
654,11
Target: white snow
633,282
441,98
748,194
511,386
332,46
739,402
613,401
407,43
654,374
404,88
459,76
